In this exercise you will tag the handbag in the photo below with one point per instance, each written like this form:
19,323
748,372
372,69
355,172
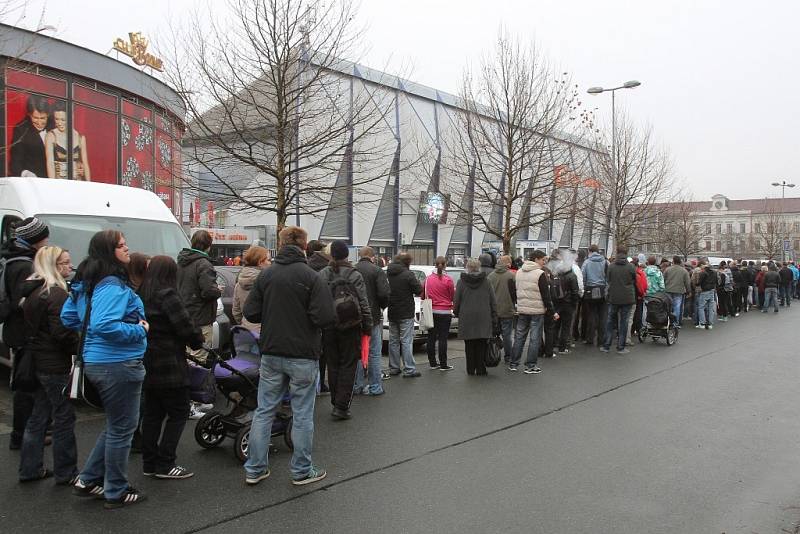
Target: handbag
80,388
426,311
23,375
593,293
493,352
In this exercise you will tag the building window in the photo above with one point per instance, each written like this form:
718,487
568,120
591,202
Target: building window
696,228
718,246
719,228
757,244
708,228
729,228
708,245
728,245
783,227
796,244
742,228
758,227
742,247
770,228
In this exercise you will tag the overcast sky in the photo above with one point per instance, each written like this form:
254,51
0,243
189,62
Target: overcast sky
719,77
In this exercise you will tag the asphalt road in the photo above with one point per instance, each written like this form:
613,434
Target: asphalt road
698,437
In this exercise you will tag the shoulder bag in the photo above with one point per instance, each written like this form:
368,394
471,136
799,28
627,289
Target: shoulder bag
80,388
426,310
493,352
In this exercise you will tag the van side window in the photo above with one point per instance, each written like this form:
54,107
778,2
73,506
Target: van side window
7,231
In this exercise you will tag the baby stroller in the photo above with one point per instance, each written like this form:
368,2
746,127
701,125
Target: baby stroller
237,379
659,321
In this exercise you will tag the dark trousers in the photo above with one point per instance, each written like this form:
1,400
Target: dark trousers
785,293
724,302
50,401
638,313
323,364
563,327
22,405
439,332
595,315
742,296
548,337
341,349
167,407
578,324
475,350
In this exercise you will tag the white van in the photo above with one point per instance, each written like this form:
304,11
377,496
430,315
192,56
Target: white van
74,211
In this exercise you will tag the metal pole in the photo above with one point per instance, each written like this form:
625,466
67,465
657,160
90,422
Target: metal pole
612,241
783,198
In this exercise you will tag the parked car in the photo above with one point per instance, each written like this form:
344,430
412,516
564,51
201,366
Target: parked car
422,272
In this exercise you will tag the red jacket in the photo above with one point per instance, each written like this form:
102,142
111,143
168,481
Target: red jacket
641,283
760,281
440,290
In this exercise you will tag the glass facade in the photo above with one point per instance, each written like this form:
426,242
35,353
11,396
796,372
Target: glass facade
58,125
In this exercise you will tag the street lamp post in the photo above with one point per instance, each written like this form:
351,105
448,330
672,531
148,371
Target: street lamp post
783,184
596,91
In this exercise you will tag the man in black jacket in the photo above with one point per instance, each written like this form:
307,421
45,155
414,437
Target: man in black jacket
621,297
30,235
378,295
785,289
403,287
293,305
27,141
197,285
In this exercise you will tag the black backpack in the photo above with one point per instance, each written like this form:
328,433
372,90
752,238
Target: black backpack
345,302
6,306
556,287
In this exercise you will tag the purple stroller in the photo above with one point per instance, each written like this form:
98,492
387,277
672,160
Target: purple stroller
237,379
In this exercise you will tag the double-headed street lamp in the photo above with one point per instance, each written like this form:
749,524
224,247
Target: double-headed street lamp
783,184
596,91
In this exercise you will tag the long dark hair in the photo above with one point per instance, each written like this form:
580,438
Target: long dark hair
162,273
102,260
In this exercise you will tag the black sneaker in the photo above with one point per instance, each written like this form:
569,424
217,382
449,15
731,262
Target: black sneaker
87,489
394,372
131,496
532,371
340,414
412,374
68,482
176,473
446,367
435,366
512,368
43,474
314,474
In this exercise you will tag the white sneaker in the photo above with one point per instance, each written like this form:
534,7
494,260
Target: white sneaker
194,413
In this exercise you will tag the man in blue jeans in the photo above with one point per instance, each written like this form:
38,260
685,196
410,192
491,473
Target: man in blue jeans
621,297
377,287
403,287
533,302
504,285
293,305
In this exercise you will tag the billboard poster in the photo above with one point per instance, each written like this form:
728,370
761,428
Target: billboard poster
433,207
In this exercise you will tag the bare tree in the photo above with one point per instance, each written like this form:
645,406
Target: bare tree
680,229
506,153
769,229
636,187
273,124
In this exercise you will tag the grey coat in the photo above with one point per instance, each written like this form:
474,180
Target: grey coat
475,307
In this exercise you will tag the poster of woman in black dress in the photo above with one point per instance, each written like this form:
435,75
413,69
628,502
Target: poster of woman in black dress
57,149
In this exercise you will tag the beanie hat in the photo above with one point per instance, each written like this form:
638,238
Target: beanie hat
339,250
32,230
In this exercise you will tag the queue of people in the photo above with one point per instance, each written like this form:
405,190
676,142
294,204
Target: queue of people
317,317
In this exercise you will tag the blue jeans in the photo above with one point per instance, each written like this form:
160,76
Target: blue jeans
706,307
373,387
525,324
401,342
786,294
677,306
120,388
617,316
277,374
507,327
50,398
770,299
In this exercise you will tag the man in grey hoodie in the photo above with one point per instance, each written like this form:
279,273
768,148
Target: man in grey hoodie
505,291
594,282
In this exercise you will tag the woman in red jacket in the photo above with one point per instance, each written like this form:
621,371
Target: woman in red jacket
760,284
641,291
440,289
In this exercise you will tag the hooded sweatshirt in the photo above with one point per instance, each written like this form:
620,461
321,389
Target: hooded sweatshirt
594,271
197,285
655,279
622,282
505,291
244,283
441,290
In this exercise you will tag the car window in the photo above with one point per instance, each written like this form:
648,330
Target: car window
420,275
222,282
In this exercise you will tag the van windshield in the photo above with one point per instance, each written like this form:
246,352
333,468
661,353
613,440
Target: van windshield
73,232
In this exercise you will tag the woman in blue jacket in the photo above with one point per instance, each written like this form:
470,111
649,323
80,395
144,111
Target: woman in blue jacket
116,339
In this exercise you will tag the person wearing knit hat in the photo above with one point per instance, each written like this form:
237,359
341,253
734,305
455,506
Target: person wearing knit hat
339,250
30,235
341,345
32,231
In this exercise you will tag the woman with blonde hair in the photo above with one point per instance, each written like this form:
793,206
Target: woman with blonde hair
255,259
51,345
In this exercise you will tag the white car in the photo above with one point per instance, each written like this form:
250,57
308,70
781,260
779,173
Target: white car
422,272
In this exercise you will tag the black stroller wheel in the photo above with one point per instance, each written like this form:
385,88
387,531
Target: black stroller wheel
209,431
672,335
287,434
241,444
